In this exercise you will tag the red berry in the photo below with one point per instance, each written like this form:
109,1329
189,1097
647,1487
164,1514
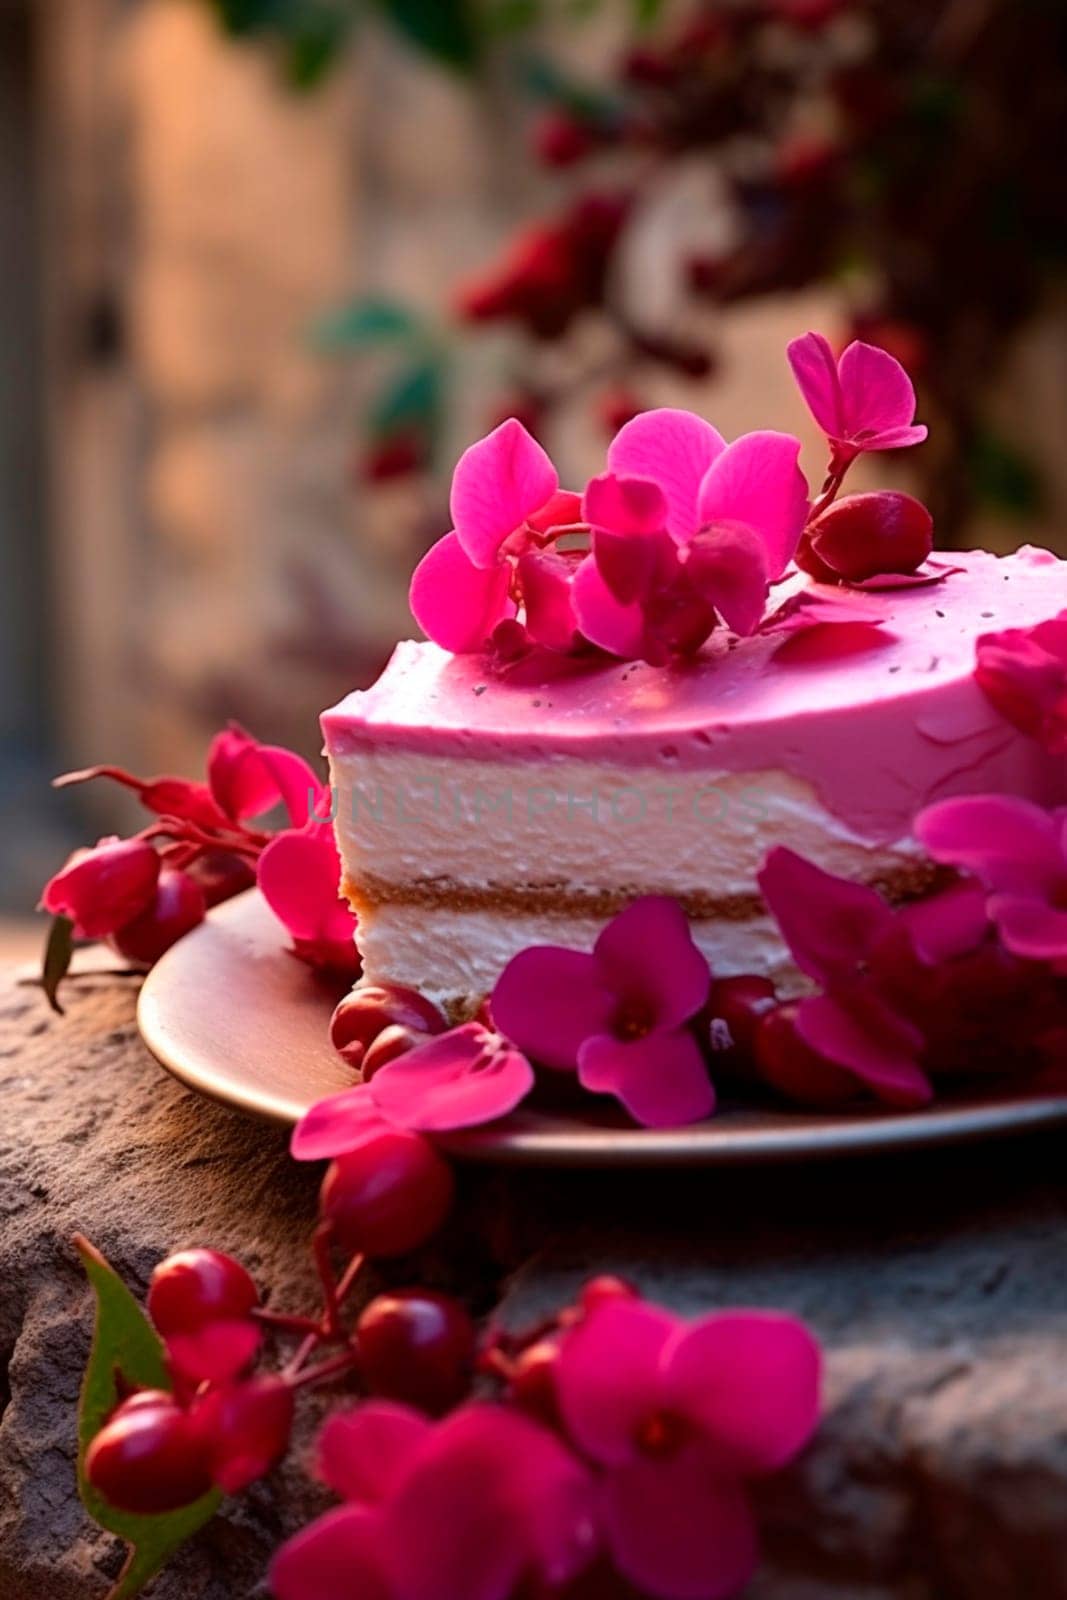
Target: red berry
416,1347
389,1044
616,407
221,876
149,1457
389,1196
792,1067
561,140
178,907
399,455
197,1287
533,1381
245,1428
737,1006
813,565
598,1291
373,1007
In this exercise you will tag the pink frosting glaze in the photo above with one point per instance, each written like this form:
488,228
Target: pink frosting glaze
881,721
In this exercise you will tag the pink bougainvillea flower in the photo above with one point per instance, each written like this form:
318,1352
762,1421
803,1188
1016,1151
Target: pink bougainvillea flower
864,401
834,608
103,889
464,1509
299,876
1023,671
1018,851
247,778
618,1016
458,1079
505,502
337,1125
678,1415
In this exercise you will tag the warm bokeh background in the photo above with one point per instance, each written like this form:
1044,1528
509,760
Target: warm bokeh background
235,364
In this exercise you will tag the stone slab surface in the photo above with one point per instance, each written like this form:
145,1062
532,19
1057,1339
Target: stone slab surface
938,1283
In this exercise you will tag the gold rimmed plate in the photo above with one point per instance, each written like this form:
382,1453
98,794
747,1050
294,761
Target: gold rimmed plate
235,1017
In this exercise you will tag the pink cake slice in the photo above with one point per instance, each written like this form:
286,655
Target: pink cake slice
482,809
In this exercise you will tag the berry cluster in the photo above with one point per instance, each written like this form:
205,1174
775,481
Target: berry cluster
144,893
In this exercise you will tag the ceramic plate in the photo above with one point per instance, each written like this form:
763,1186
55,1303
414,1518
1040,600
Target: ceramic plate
231,1014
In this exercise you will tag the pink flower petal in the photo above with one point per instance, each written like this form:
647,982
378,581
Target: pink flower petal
603,620
239,781
299,876
301,791
627,505
458,1079
490,1497
877,398
677,1531
608,1376
946,925
857,1030
923,577
1030,929
561,510
757,481
647,954
455,603
726,563
498,483
751,1378
822,607
105,888
662,1079
815,371
1009,843
216,1352
547,581
336,1558
337,1125
363,1454
829,923
548,1001
1023,672
674,449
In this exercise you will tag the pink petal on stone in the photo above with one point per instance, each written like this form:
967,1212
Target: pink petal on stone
815,370
662,1079
829,923
363,1454
857,1030
337,1125
877,398
548,1001
757,481
751,1379
458,1079
105,888
605,621
455,603
608,1376
674,449
1009,843
547,582
1029,928
336,1558
498,483
726,563
647,955
676,1530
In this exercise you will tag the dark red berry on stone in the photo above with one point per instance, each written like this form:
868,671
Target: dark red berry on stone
149,1457
178,907
373,1007
196,1287
391,1042
416,1347
389,1196
736,1007
533,1381
791,1066
246,1428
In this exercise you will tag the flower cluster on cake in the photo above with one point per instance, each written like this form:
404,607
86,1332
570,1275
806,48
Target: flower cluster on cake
696,770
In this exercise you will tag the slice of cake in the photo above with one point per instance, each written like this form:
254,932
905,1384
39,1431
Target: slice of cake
483,806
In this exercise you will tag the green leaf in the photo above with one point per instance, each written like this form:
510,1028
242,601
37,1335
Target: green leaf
57,955
646,12
313,49
125,1345
364,322
1003,477
444,29
412,400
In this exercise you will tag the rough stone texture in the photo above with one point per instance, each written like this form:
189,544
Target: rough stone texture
937,1283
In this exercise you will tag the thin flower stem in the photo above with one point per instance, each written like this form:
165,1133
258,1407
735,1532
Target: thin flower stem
349,1276
295,1366
321,1241
286,1322
327,1369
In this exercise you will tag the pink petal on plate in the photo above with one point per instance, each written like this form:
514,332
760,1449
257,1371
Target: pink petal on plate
830,924
605,621
548,1001
455,603
726,563
858,1031
678,1531
498,483
299,876
647,955
334,1126
458,1079
662,1079
752,1379
608,1376
757,481
674,449
877,396
815,370
364,1453
335,1558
